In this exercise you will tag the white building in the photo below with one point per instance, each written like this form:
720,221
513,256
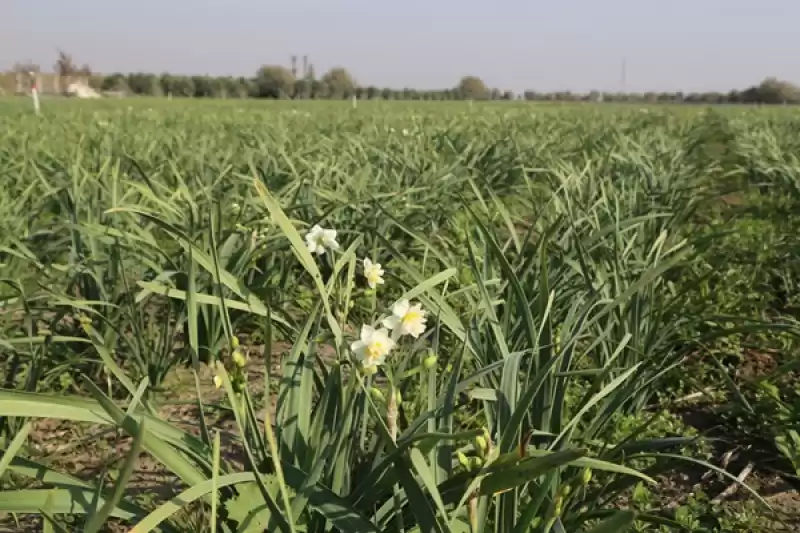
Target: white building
81,90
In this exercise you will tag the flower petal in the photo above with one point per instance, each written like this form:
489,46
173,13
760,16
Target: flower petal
366,333
400,308
391,322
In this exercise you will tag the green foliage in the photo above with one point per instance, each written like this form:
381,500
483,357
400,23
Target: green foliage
274,81
339,82
571,265
473,88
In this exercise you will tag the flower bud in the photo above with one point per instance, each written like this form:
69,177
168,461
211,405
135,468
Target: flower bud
587,476
238,359
398,397
429,362
376,394
235,342
481,445
218,381
369,370
463,460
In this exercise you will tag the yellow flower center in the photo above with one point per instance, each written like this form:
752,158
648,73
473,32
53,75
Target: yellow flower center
375,350
412,316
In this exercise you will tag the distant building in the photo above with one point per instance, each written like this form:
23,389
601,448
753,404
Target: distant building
81,90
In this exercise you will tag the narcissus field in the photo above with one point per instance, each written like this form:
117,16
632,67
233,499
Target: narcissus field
246,317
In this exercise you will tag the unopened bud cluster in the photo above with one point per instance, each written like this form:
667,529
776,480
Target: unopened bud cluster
237,373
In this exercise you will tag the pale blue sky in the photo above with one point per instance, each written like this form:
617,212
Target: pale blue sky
690,45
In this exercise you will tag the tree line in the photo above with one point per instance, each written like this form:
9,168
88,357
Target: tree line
280,82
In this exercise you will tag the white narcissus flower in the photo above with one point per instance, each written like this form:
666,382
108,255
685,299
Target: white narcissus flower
373,272
318,239
373,346
406,319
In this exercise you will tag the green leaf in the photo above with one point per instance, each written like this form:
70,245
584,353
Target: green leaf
504,477
13,447
300,251
98,518
619,522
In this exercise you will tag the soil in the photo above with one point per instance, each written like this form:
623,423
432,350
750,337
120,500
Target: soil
89,451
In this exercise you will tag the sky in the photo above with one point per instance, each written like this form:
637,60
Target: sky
578,45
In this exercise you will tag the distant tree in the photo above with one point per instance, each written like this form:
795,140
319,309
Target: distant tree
386,93
66,69
372,92
274,81
65,66
508,95
247,87
144,84
167,82
178,86
339,82
234,87
96,81
734,97
319,89
309,78
202,86
773,91
472,88
115,82
302,89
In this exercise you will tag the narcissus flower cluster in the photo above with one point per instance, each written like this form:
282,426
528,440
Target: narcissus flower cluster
373,345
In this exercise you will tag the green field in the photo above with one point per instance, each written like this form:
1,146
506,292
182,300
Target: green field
608,296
